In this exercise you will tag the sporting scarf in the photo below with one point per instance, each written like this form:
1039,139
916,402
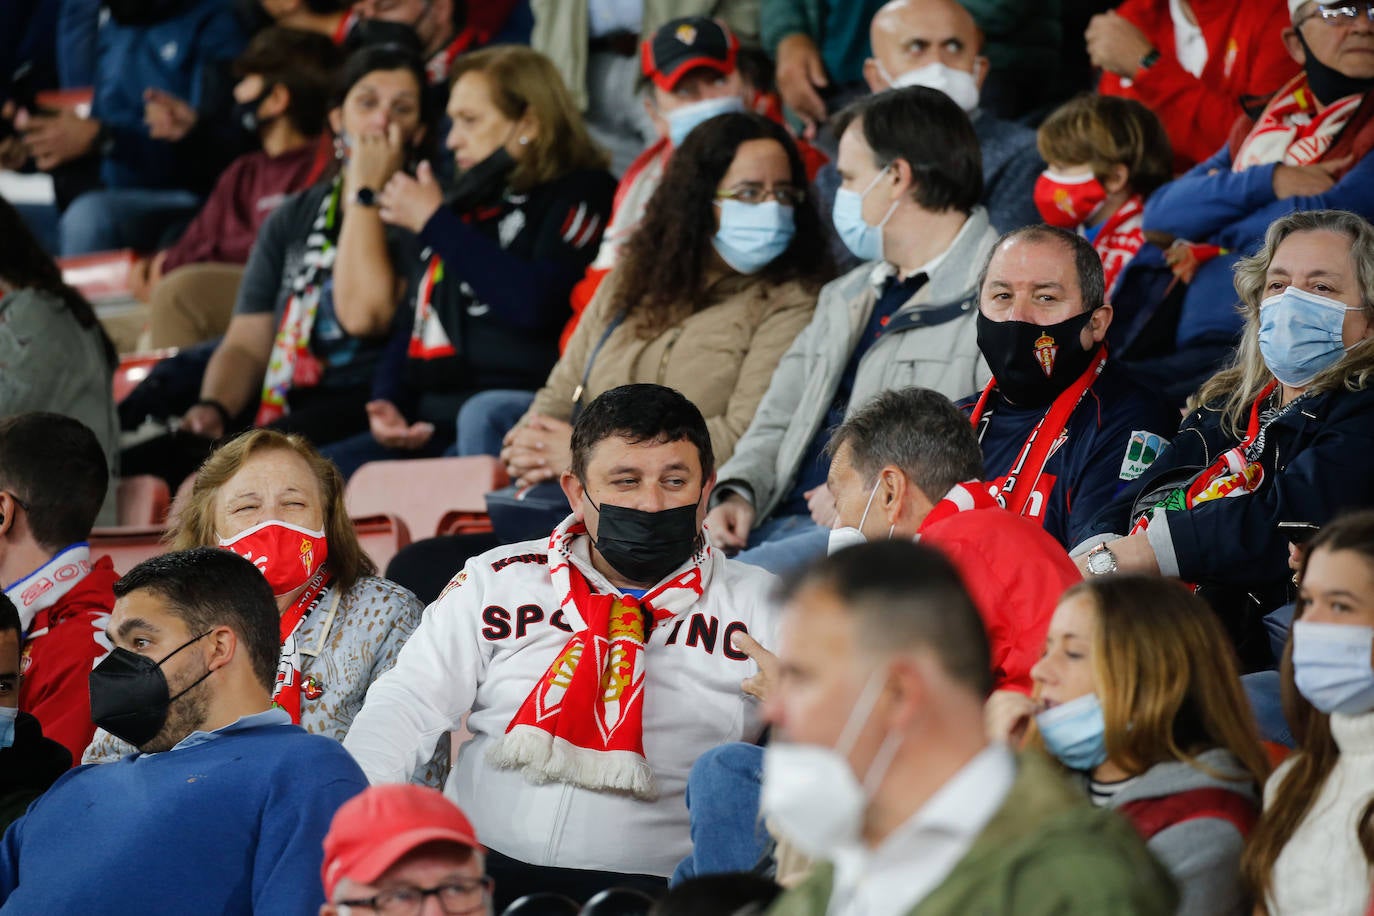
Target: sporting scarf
1119,239
291,364
286,694
1013,491
582,724
46,585
1291,131
962,497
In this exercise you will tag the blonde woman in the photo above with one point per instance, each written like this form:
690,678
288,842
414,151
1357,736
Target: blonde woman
1138,692
272,498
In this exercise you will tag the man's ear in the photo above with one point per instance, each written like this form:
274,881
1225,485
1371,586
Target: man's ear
892,493
277,103
574,491
224,643
902,180
873,77
910,691
1098,324
707,488
1293,44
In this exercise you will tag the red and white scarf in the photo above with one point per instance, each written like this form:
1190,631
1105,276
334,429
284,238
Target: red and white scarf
962,497
49,583
582,724
287,692
1291,131
1120,239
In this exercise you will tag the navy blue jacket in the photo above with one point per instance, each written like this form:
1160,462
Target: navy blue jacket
1111,436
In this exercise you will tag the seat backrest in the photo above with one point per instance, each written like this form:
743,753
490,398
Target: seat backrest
422,491
127,546
142,500
381,537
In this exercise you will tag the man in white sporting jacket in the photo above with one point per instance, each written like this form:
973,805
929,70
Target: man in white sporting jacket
596,664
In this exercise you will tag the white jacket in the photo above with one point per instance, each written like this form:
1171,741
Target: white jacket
480,649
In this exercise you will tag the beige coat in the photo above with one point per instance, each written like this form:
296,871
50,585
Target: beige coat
722,358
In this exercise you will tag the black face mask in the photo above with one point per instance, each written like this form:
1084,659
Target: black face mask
1032,364
482,183
1329,85
246,113
644,546
129,695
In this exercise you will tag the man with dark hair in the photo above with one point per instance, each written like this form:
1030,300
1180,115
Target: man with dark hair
880,768
1062,427
907,205
29,762
597,664
53,479
225,807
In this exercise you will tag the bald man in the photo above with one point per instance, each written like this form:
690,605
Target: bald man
936,43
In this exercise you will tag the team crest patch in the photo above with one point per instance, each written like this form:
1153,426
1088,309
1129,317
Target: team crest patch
456,582
1045,352
687,34
1141,452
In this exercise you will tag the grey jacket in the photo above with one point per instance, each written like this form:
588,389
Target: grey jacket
1202,854
944,357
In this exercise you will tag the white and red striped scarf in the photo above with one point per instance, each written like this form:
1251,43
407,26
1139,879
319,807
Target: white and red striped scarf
962,497
1119,239
582,723
1291,131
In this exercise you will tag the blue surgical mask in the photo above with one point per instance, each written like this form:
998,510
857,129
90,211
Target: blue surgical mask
1075,732
863,240
682,120
8,715
1300,335
751,236
1331,666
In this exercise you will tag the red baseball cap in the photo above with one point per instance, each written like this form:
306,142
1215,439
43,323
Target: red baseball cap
685,44
382,824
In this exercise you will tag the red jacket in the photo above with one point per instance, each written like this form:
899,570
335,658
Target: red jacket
1246,61
64,643
1015,572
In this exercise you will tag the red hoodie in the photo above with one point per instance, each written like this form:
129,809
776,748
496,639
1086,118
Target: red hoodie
64,643
1246,61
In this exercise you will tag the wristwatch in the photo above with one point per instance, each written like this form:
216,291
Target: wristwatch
1101,561
366,197
1149,59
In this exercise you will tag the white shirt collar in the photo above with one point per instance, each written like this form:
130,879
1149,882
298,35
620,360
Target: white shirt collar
884,269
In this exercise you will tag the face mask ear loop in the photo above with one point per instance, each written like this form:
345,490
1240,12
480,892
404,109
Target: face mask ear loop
858,716
868,505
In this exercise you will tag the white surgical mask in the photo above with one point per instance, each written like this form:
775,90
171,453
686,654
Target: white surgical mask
682,120
959,85
843,537
810,792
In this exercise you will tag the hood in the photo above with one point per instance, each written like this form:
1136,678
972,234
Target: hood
1174,777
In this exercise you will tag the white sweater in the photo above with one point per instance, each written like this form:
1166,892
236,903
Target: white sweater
482,646
1322,870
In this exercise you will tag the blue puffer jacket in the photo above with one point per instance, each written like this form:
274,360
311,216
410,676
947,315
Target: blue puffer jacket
180,55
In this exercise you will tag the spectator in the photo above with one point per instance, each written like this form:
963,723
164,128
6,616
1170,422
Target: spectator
1305,151
321,287
188,682
29,762
1138,691
390,848
282,97
1062,427
820,49
446,29
333,19
52,481
1194,63
517,232
935,43
148,186
880,764
908,205
1282,432
507,636
1310,850
692,289
272,499
54,355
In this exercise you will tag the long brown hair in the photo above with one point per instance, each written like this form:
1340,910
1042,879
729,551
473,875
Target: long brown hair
194,524
1317,751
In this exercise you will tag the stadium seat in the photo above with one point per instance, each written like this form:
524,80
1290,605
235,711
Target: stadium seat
381,536
142,500
127,546
425,491
134,368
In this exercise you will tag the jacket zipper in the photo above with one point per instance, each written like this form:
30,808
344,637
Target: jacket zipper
560,817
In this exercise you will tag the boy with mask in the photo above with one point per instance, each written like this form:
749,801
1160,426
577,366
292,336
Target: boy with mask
1061,427
227,805
597,663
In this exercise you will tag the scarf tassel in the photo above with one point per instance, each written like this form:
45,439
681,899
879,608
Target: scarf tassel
546,758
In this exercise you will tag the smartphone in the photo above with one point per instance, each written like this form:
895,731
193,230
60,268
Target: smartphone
1298,532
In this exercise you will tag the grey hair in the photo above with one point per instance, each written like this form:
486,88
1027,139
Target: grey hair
917,430
1237,386
1087,263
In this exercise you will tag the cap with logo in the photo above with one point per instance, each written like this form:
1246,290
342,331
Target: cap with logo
383,824
685,44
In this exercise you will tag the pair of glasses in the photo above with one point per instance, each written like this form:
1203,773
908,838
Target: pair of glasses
786,195
455,898
1342,13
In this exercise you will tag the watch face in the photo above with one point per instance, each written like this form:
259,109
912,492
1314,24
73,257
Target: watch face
1101,562
367,197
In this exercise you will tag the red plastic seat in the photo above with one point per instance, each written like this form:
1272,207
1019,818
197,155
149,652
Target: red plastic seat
127,546
134,368
424,491
142,500
381,537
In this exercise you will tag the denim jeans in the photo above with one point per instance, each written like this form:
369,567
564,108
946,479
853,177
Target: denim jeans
785,543
356,451
485,418
1262,690
723,791
138,218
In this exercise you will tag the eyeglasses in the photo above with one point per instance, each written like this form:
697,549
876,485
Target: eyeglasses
455,898
1341,13
785,194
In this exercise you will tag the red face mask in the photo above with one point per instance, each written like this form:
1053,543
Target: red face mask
285,554
1067,201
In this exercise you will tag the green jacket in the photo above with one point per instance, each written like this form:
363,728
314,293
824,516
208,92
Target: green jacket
1046,851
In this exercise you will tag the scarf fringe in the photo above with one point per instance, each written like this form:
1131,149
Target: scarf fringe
545,758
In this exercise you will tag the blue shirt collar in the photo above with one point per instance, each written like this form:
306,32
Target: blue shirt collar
273,715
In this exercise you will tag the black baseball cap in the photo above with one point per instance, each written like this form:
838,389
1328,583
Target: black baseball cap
685,44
